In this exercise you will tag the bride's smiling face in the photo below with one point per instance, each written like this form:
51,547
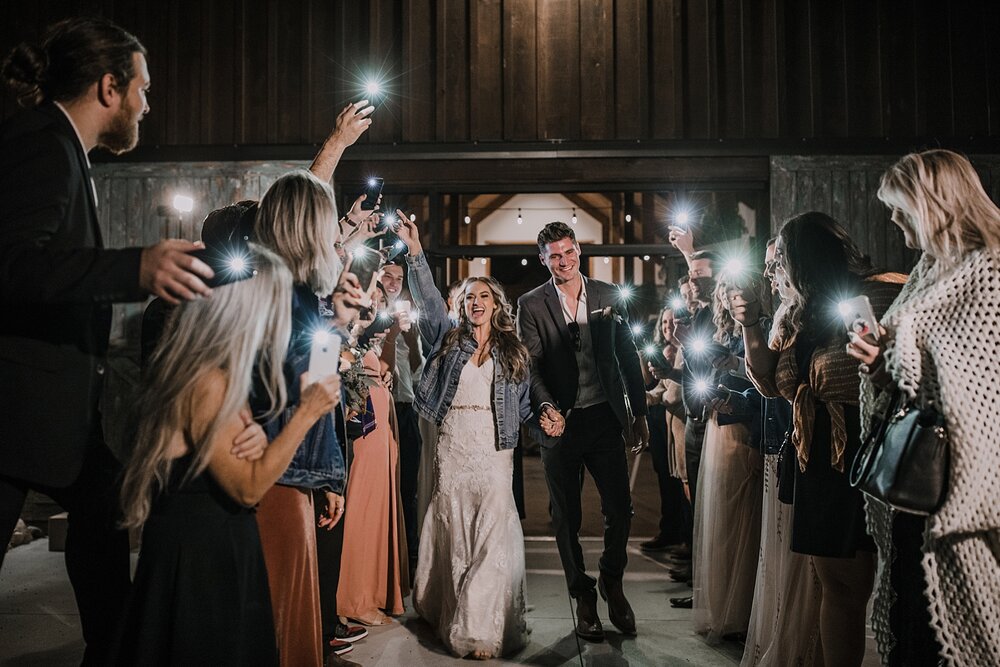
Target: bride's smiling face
479,304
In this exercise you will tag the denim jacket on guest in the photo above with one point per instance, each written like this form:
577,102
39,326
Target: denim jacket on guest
439,382
318,462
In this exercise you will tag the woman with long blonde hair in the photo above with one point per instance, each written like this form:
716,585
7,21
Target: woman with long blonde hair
297,220
939,575
470,575
200,594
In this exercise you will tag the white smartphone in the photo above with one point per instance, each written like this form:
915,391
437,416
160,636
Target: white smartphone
859,317
324,357
403,306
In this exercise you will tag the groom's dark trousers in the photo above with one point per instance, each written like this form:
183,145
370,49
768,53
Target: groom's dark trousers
592,439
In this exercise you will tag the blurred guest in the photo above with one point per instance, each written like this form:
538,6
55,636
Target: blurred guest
939,576
84,86
728,507
664,404
819,263
199,599
297,220
784,621
409,362
374,572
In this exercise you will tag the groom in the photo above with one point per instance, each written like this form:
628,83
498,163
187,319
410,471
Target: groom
585,376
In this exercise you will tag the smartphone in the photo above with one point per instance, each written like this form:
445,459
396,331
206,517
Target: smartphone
859,317
658,361
324,357
373,190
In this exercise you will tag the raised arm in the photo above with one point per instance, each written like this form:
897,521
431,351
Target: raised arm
352,122
433,322
243,480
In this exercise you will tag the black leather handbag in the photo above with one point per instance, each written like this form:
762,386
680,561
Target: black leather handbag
904,460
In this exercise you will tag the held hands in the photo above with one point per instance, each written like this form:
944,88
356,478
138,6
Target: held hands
320,397
167,270
409,233
333,512
552,422
871,356
251,442
639,435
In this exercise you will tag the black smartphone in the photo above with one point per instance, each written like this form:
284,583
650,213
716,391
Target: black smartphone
373,190
656,358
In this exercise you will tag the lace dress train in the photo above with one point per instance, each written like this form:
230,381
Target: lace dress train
470,581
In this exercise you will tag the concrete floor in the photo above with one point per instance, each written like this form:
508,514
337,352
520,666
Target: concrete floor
39,624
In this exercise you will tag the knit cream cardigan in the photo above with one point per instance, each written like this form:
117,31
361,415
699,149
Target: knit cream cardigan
945,351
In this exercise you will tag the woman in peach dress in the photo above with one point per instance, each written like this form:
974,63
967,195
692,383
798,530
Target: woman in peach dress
373,573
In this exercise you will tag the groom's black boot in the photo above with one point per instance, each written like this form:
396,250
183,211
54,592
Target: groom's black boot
619,610
588,623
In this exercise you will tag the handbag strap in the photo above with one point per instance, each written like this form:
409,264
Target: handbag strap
865,457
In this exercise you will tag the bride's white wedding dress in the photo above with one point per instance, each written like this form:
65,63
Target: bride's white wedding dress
470,577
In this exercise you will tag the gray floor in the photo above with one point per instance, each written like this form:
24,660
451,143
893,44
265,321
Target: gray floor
39,623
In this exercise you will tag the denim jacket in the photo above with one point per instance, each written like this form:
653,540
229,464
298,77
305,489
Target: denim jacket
318,462
436,391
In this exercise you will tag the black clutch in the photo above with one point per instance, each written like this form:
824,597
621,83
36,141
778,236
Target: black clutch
904,460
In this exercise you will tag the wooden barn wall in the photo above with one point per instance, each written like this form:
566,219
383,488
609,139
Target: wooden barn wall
845,188
276,72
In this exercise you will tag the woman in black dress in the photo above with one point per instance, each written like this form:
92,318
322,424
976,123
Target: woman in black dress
201,593
818,265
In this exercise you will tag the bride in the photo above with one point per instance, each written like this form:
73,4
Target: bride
470,575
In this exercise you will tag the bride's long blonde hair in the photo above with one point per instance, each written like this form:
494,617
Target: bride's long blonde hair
243,325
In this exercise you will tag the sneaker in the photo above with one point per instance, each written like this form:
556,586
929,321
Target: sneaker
349,633
658,543
338,647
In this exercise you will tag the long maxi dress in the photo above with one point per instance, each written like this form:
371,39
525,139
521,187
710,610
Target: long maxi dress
470,581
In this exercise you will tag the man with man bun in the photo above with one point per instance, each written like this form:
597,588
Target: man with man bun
84,87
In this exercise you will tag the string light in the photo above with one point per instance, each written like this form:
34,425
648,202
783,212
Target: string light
607,260
468,220
183,203
645,258
483,261
520,220
628,217
573,219
524,262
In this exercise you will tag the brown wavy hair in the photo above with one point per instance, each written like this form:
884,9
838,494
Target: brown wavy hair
511,352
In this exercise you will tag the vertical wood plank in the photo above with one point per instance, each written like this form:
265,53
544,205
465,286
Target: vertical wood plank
597,68
252,31
419,38
874,222
453,71
486,70
185,80
324,105
520,84
773,87
900,102
938,74
828,56
700,75
732,71
751,28
863,82
386,64
286,55
798,58
218,68
558,58
631,81
970,70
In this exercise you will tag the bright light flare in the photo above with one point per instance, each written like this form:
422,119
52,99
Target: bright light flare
650,350
843,308
702,386
637,329
183,203
626,292
321,336
677,303
699,345
372,182
373,87
735,267
683,217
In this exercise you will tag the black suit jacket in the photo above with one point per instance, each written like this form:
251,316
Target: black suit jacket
57,284
554,373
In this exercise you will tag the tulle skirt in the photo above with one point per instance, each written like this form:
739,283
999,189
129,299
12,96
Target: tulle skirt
726,530
784,622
